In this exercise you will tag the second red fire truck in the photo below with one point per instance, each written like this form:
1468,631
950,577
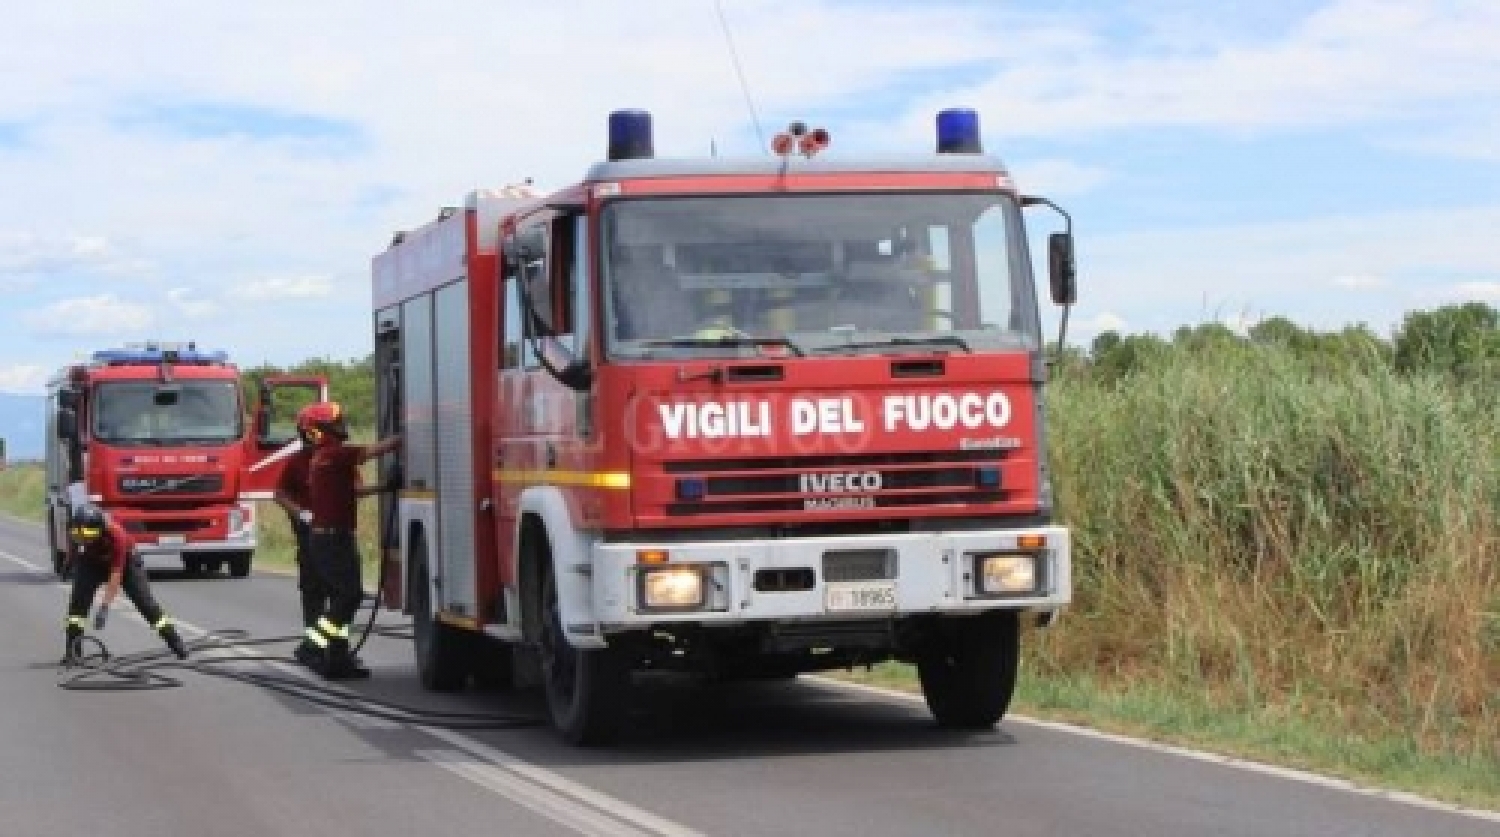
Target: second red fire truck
737,417
158,435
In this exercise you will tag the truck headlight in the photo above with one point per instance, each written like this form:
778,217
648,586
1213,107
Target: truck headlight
672,587
1006,573
236,520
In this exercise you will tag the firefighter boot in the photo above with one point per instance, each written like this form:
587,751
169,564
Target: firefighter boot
174,641
309,655
71,645
341,664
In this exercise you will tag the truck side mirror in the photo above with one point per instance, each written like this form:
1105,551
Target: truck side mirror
571,371
67,424
1062,269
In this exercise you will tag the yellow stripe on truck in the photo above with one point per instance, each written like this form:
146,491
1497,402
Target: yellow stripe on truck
586,479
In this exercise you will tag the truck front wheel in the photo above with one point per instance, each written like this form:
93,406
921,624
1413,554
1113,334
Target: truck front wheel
967,667
585,686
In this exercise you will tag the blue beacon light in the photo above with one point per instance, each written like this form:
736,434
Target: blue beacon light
630,135
958,131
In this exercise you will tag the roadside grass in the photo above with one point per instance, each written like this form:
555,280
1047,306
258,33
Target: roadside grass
23,491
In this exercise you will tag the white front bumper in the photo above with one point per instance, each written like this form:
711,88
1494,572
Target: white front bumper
933,575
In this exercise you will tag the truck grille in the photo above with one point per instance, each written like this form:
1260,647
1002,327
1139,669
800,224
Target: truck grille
841,481
164,486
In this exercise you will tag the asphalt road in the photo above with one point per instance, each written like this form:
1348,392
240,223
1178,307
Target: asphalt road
218,756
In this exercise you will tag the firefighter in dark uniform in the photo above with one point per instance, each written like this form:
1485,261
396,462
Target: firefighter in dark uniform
102,553
334,490
292,495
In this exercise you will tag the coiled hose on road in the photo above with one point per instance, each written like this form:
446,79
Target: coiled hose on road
93,669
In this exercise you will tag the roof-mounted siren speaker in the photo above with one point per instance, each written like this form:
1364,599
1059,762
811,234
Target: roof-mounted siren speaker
630,135
958,131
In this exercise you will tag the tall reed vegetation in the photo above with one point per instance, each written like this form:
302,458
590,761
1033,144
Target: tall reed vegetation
1266,529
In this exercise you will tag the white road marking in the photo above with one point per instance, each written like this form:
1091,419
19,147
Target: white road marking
550,794
23,562
553,806
652,823
1287,773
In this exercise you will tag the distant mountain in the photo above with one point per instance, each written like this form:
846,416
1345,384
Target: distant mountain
21,425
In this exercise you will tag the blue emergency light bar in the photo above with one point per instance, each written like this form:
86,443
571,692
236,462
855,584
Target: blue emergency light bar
630,135
137,357
958,131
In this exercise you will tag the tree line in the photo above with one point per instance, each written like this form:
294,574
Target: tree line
1460,342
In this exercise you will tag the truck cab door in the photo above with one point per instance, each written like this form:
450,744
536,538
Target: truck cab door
274,429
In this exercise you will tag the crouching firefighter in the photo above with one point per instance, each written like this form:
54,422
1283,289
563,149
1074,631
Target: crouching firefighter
102,553
334,489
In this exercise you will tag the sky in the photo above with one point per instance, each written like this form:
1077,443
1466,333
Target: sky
225,172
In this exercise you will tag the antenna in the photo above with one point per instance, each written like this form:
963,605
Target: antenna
740,72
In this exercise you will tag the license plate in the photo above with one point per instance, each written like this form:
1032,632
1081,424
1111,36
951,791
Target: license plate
860,595
171,540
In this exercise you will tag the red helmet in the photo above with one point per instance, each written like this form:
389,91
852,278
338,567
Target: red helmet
322,420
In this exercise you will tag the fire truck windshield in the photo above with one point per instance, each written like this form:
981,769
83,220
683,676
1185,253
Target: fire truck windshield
865,273
182,412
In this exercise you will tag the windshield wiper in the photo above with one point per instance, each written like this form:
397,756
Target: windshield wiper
935,340
726,342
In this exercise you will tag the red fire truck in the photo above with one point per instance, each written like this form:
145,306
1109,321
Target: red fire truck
742,418
157,434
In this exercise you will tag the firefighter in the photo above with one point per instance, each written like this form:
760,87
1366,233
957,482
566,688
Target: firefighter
292,496
333,497
102,553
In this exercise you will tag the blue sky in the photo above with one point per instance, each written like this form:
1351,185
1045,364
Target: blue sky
1331,161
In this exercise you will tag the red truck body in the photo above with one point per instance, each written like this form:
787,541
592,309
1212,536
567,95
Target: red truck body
834,456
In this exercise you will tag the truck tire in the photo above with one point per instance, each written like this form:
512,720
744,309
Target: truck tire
586,687
491,664
239,563
968,669
441,650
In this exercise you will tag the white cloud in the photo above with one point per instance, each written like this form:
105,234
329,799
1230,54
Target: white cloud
1359,281
283,287
1473,292
26,378
104,314
1057,177
1351,61
185,303
29,257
